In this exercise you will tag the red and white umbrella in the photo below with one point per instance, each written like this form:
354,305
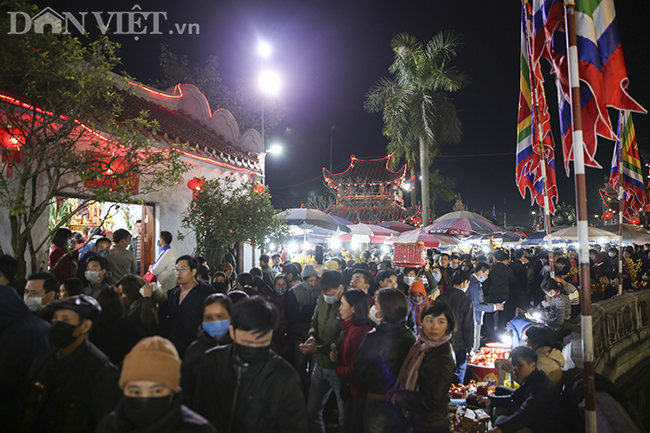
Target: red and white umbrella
396,225
367,233
428,239
462,224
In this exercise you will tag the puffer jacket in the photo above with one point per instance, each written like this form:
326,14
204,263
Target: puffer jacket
265,397
325,329
559,310
380,357
550,361
430,404
177,419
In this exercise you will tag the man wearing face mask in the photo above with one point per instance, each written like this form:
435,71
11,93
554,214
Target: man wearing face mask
152,400
324,332
246,387
121,260
73,386
96,269
40,291
475,293
300,306
212,332
101,248
455,262
163,267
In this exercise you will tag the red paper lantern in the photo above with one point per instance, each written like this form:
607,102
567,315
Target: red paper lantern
634,220
608,216
196,183
11,140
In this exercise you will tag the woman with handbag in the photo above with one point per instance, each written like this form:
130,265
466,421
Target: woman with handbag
422,388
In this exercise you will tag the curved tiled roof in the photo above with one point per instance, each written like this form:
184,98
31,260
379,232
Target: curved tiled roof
370,170
179,127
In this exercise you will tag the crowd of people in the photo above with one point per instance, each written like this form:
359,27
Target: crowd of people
93,346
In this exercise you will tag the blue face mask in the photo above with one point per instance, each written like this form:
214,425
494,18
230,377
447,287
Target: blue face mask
217,329
437,277
481,279
70,242
417,303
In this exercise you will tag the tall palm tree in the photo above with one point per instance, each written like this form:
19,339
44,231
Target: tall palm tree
418,113
441,187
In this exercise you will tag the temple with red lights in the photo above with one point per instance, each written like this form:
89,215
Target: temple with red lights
370,192
213,147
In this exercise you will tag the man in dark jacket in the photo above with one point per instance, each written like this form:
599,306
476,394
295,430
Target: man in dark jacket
497,289
75,385
463,337
536,406
23,337
380,358
519,297
184,310
245,387
268,273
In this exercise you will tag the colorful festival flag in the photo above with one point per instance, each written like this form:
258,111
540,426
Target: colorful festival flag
533,114
601,67
634,198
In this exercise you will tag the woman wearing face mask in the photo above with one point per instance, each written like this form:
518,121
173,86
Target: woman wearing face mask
281,340
441,276
422,387
212,332
355,325
60,261
152,400
380,357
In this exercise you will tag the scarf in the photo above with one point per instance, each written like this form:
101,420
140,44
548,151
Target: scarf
408,375
162,251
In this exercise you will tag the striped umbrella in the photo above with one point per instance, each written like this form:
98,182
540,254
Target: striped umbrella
462,224
421,236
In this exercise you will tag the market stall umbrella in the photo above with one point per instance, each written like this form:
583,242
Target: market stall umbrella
367,233
363,239
505,236
428,239
462,223
631,234
301,217
396,225
595,234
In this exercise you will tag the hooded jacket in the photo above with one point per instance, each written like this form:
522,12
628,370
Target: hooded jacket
23,336
551,362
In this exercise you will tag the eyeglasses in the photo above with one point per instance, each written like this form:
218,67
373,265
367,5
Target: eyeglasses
183,269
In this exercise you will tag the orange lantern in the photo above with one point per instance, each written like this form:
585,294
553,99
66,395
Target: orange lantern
608,216
634,220
196,183
11,140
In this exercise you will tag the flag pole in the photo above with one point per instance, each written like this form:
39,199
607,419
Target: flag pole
540,143
581,208
620,205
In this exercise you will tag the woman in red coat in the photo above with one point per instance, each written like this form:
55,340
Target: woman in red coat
355,324
59,262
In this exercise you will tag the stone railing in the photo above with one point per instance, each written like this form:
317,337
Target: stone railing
621,329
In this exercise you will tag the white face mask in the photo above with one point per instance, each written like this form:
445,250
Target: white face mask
453,266
612,255
330,299
92,276
34,304
373,315
409,280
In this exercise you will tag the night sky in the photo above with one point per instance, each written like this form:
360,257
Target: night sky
329,55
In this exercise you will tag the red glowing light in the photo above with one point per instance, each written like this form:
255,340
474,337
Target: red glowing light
634,220
608,216
196,183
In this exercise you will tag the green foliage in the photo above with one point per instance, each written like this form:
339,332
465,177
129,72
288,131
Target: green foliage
417,111
244,104
68,94
225,212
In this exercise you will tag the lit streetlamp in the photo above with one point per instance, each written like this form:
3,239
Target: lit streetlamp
275,148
